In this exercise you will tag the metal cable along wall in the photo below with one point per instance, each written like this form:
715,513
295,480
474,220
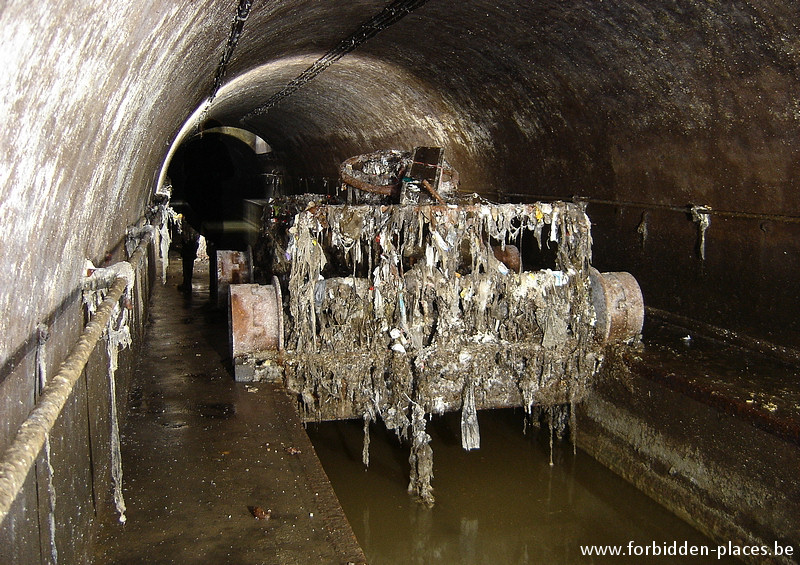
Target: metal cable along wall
687,209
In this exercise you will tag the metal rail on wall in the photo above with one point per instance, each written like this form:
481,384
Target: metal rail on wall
19,458
668,207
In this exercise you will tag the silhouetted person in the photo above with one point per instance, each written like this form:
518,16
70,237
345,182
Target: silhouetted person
189,243
201,171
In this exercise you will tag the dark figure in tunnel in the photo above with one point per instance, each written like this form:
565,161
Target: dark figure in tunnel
200,171
212,173
189,239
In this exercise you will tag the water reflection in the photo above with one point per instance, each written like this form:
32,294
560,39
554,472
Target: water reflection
503,503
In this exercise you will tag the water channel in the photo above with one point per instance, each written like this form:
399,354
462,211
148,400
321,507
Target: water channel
503,503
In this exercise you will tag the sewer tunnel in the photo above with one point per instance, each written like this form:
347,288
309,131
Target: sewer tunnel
674,124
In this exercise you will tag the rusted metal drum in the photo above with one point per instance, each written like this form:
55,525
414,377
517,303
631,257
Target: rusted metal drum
618,305
256,318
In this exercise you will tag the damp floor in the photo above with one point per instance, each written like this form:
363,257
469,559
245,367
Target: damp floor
203,456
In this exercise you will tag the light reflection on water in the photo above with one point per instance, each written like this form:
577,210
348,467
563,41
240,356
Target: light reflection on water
503,503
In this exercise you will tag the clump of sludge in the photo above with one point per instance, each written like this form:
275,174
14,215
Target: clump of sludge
401,311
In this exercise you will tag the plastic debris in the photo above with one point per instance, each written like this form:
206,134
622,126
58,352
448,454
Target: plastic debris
701,215
162,216
43,334
470,433
136,234
99,280
118,336
642,228
421,458
401,311
259,513
365,449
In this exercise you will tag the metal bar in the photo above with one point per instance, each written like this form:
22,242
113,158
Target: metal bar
20,456
669,207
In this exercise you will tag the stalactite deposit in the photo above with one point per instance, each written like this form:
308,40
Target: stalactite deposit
118,336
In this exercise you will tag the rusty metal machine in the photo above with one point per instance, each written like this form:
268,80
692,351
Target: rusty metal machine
401,308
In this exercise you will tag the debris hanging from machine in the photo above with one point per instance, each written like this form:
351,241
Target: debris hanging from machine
398,311
412,300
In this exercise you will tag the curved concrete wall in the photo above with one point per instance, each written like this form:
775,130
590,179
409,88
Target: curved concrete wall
92,93
643,106
663,103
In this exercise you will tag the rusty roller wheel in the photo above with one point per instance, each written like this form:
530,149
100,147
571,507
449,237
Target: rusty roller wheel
256,318
618,305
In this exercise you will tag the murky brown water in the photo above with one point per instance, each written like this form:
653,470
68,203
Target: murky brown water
501,504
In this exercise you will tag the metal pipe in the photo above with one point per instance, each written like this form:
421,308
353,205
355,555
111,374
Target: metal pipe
20,456
667,207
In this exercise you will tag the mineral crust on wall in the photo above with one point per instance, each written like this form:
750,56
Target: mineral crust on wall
395,312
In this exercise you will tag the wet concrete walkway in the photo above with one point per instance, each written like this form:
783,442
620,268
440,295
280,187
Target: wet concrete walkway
202,455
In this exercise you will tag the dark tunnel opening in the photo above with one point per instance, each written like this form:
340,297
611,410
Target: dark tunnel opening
212,174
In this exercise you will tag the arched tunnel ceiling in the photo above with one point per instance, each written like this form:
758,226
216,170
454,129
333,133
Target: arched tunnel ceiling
353,106
660,102
539,97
